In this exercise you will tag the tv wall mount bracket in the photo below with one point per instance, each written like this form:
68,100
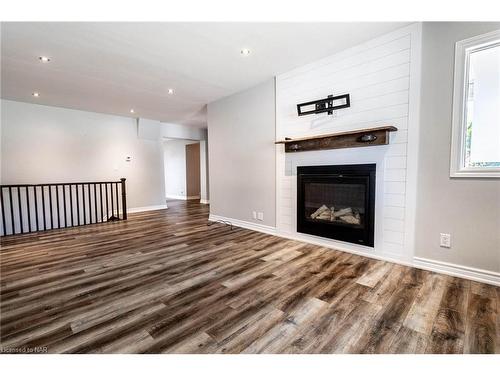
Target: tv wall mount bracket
328,104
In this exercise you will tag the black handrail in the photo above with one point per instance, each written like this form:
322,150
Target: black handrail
27,208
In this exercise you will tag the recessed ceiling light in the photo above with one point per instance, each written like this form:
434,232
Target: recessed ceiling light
132,111
44,59
171,91
245,52
36,94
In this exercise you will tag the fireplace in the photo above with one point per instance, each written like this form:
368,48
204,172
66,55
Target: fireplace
337,201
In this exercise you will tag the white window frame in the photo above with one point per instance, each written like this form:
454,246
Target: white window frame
463,49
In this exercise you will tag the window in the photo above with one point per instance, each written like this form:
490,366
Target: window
475,148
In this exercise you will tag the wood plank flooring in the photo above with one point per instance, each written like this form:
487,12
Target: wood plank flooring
165,282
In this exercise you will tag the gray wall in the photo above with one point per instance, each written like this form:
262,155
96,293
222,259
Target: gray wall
204,193
241,132
42,144
175,167
468,209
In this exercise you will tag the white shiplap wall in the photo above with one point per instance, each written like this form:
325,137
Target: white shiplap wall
382,77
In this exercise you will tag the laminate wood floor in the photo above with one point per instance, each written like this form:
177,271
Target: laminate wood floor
165,282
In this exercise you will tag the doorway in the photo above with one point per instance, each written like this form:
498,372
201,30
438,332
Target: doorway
186,169
193,171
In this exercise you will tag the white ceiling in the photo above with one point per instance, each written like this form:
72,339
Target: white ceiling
113,67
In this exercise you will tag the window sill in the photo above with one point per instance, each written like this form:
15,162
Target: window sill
476,173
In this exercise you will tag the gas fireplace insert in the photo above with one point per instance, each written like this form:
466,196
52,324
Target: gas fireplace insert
337,201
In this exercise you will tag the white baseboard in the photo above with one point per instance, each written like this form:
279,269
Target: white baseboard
183,197
476,274
484,276
204,201
141,209
345,247
147,208
245,224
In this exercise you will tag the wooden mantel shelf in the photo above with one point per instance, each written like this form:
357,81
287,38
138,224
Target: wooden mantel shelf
354,138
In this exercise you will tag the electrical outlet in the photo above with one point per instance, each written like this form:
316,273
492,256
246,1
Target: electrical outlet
445,240
254,215
260,216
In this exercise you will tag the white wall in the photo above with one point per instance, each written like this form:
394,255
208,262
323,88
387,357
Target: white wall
152,129
241,131
175,167
177,131
381,77
204,198
42,144
467,208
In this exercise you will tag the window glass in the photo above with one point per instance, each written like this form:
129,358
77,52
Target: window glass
482,108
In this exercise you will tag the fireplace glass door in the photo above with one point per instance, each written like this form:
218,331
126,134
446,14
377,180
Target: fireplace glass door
340,202
337,202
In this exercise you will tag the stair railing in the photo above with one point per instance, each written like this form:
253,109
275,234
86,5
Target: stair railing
27,208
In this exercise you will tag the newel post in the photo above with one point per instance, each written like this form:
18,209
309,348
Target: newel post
124,200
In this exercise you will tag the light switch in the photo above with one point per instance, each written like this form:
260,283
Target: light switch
445,240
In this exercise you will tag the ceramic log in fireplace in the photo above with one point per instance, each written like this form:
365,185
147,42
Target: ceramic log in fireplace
337,201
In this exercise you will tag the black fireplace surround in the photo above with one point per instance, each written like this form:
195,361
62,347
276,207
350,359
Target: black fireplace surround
337,201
